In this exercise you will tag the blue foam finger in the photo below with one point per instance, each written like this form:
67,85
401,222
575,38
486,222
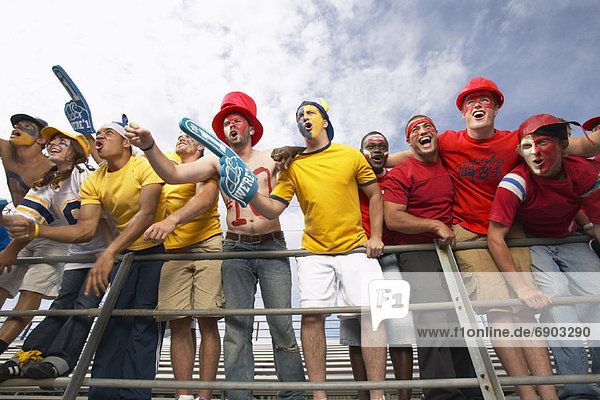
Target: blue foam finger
237,180
77,110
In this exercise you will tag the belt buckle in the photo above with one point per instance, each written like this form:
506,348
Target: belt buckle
255,238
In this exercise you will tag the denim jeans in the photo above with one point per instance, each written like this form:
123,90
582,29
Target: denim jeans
570,270
240,277
61,338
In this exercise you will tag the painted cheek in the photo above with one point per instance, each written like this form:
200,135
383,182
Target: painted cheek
367,155
414,135
303,130
23,140
550,155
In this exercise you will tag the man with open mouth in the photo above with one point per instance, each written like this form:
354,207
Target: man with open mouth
237,125
477,158
325,177
544,195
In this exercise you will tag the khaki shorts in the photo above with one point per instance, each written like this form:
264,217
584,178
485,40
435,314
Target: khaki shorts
483,280
39,278
192,284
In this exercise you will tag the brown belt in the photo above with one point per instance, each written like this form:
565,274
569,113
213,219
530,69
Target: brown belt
256,238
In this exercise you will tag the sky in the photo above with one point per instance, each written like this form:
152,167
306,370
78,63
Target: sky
376,63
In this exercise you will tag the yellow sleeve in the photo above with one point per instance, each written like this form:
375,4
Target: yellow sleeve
89,191
284,187
364,172
145,175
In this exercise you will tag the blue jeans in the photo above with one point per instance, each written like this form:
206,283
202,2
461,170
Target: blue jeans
570,270
240,277
130,345
61,339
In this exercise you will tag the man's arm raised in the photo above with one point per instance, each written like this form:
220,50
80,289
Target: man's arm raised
148,201
198,171
396,158
197,205
584,146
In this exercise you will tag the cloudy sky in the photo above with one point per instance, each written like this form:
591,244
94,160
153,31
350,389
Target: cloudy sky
376,62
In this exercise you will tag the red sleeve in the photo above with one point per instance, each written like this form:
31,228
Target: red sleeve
504,207
396,187
588,173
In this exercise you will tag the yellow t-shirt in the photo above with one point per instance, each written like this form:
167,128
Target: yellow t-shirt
196,230
118,192
326,183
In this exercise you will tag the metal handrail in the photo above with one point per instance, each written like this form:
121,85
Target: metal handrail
78,379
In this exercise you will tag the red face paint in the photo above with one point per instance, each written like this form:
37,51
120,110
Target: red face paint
416,122
483,98
542,154
375,149
236,129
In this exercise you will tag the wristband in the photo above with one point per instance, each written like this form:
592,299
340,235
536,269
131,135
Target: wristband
36,231
588,226
149,147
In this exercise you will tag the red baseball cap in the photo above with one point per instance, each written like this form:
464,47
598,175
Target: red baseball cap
241,103
590,123
545,124
476,84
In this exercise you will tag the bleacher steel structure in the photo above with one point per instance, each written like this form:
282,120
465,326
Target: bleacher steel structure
491,378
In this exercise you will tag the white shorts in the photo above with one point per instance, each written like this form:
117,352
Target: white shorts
39,278
320,275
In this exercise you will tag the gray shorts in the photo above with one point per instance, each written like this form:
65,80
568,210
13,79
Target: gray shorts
39,278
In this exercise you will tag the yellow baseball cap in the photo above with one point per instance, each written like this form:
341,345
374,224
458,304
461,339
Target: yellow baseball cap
49,132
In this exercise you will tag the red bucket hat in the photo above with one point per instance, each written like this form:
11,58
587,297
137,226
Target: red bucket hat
243,104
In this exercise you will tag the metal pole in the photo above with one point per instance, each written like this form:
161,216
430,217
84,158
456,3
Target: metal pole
488,380
278,386
96,334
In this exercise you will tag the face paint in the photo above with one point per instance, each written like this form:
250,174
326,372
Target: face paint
185,144
376,150
423,138
236,129
309,121
542,154
24,134
58,148
427,124
483,98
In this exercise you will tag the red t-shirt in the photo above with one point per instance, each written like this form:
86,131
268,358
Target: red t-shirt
427,191
476,167
547,207
388,236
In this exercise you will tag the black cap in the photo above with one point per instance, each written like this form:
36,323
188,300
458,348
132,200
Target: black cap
15,119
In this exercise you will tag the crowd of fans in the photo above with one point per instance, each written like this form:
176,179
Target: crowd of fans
475,184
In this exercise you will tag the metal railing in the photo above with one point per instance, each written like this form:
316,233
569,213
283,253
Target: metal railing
487,379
